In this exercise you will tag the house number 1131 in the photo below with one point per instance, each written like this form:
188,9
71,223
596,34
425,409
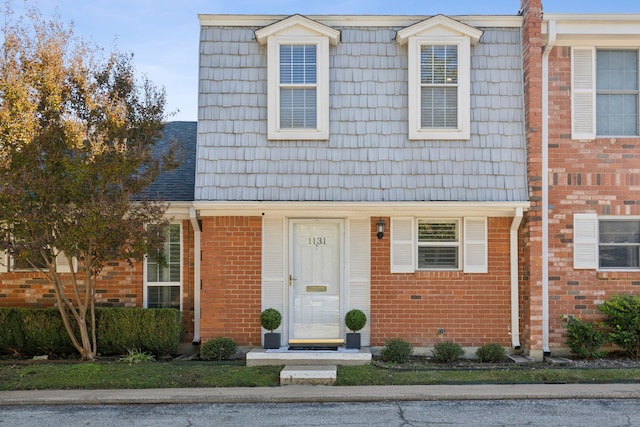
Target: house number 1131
317,241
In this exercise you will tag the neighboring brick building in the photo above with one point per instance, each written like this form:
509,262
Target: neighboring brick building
477,146
594,163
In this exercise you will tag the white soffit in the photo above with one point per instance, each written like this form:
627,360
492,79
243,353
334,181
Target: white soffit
343,209
593,30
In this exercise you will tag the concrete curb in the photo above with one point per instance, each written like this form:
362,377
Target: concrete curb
315,393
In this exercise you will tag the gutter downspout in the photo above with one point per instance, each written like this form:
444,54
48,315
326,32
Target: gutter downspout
515,311
195,224
551,30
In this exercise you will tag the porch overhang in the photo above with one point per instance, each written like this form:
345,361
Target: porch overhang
345,209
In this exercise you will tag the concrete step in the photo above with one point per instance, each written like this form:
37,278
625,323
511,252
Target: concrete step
284,356
309,374
557,360
520,359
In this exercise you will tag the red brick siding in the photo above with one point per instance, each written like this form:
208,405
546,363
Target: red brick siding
601,176
474,309
231,278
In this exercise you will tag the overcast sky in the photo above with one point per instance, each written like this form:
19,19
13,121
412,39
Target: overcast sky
163,34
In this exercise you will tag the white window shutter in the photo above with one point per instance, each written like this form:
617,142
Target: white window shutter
402,245
583,93
359,271
62,263
4,261
475,245
273,279
585,241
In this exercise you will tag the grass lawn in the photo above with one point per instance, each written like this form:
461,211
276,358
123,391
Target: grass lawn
109,375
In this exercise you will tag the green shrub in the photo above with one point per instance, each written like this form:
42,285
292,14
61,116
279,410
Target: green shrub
270,319
355,320
154,330
583,338
44,333
491,353
623,321
12,336
37,331
162,330
117,330
220,348
396,351
447,352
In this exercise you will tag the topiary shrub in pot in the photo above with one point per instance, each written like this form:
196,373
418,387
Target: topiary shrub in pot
354,320
270,320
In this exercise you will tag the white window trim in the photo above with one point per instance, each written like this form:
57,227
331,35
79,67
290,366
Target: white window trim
583,91
439,30
146,283
457,244
321,132
7,264
473,245
462,132
586,241
297,29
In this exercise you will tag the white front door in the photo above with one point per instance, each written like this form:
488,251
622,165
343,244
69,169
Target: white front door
315,281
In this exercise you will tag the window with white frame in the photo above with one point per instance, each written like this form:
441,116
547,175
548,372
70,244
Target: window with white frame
439,78
606,243
32,259
439,244
605,93
163,270
619,244
298,78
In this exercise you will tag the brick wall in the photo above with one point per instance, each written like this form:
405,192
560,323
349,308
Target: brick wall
473,309
231,278
601,176
119,285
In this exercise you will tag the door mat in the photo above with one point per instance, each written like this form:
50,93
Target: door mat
311,348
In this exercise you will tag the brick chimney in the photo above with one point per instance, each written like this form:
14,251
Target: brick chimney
531,279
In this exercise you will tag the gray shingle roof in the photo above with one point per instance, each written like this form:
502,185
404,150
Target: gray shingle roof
176,185
368,156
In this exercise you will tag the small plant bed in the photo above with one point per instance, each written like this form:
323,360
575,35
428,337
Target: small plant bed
614,360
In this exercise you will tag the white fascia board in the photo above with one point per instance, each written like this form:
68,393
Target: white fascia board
297,20
178,210
343,209
593,30
485,21
431,24
175,210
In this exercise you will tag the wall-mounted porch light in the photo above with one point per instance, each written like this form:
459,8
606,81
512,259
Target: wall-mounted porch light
380,227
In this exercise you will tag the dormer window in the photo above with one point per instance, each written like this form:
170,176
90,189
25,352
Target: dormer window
298,78
439,60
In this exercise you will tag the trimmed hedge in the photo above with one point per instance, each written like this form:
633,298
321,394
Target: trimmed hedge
31,332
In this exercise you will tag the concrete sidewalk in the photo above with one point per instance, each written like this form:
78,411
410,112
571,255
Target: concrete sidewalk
315,393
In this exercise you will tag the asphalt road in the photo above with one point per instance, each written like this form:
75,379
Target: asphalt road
547,413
